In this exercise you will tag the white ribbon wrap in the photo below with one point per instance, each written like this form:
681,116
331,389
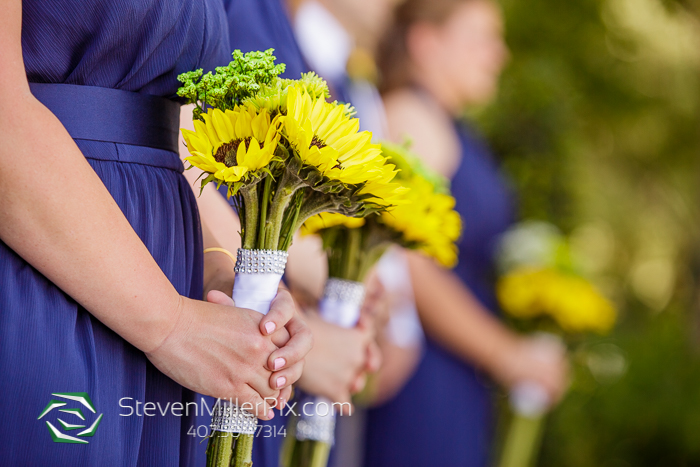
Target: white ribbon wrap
528,398
255,291
258,276
341,305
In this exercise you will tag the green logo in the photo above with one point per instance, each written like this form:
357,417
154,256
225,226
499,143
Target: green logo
60,437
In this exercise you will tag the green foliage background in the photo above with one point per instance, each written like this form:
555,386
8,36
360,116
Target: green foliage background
598,124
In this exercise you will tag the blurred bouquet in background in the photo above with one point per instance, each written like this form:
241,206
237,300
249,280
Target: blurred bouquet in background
542,291
423,219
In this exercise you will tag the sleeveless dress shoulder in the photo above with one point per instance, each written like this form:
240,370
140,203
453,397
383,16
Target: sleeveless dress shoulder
443,416
60,366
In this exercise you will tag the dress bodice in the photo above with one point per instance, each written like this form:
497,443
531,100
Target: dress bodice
135,45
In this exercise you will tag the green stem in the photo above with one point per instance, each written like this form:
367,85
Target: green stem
369,256
220,449
250,202
285,191
243,453
310,209
290,220
522,441
263,211
351,253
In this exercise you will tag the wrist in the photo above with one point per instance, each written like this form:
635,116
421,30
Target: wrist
502,357
159,332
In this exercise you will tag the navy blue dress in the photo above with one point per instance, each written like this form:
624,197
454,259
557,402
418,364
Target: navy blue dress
49,343
442,417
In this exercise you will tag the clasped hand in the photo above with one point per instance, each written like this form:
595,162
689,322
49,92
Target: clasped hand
236,353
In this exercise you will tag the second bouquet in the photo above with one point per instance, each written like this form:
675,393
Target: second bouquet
285,155
422,218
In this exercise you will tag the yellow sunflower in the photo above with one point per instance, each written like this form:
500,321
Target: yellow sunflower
571,301
427,220
326,137
326,220
233,143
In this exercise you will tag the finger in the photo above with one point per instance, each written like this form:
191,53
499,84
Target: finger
220,298
297,347
251,401
285,396
280,337
343,404
359,383
374,358
260,383
282,310
288,376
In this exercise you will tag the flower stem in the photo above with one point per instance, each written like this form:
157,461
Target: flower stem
310,209
522,441
243,453
283,195
220,449
351,253
262,228
250,203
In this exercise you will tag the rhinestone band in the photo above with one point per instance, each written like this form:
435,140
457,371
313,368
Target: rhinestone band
261,261
344,291
316,429
229,418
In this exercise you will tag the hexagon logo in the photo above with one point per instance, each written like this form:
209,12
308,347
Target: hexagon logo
58,435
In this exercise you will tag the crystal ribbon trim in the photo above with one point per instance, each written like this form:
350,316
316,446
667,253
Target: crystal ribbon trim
340,290
261,261
317,426
229,418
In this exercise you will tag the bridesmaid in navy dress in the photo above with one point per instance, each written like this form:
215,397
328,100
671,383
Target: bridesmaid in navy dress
440,56
89,318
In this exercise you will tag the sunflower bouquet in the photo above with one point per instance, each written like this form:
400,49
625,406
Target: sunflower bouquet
423,219
285,155
541,291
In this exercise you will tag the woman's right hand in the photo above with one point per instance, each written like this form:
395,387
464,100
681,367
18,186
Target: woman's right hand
337,365
539,359
221,352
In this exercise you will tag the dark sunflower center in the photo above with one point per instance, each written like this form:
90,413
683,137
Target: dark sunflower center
227,151
318,142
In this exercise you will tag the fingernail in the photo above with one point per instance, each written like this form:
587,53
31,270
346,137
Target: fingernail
270,327
279,363
270,414
280,381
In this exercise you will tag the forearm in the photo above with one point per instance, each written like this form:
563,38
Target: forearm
59,217
451,315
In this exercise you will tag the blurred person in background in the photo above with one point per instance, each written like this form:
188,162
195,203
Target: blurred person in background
438,58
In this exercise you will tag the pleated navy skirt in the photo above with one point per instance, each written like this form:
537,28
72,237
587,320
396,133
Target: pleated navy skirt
49,344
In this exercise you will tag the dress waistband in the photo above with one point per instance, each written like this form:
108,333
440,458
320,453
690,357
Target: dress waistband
112,115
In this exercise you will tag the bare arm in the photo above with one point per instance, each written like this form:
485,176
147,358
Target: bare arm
59,217
449,312
455,318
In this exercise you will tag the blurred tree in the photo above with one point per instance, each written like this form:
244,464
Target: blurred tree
598,125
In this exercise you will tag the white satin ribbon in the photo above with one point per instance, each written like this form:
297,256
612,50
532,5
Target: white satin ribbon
255,291
338,312
529,399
